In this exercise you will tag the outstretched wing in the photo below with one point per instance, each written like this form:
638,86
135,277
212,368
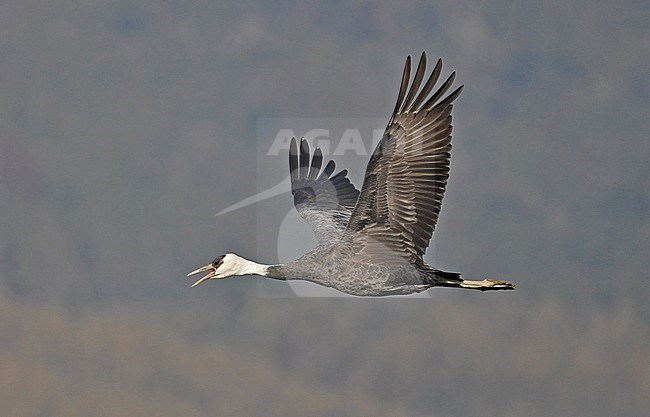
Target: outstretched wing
324,200
407,173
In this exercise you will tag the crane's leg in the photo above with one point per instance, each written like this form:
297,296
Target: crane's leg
488,284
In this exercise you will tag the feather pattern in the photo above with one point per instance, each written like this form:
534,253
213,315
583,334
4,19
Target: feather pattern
407,174
324,200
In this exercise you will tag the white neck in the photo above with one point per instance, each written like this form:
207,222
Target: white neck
236,265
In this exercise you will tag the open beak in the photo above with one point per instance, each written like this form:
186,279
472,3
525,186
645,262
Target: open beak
208,267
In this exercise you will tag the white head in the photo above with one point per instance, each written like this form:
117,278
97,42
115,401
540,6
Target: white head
229,265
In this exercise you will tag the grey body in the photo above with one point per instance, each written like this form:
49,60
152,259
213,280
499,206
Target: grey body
372,241
339,268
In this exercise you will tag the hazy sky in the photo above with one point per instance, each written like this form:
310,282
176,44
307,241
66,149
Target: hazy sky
125,126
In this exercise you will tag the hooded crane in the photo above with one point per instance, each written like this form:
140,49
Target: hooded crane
371,242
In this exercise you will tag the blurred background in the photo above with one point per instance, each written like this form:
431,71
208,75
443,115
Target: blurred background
125,126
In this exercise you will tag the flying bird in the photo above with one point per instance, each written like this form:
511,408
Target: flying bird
371,242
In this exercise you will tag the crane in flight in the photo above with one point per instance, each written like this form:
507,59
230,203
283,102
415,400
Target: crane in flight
371,242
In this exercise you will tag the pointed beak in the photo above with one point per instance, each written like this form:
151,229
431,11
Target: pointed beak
211,274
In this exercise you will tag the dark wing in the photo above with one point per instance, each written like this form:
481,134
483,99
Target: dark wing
324,200
407,173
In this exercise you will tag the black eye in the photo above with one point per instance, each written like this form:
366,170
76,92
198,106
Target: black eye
217,261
